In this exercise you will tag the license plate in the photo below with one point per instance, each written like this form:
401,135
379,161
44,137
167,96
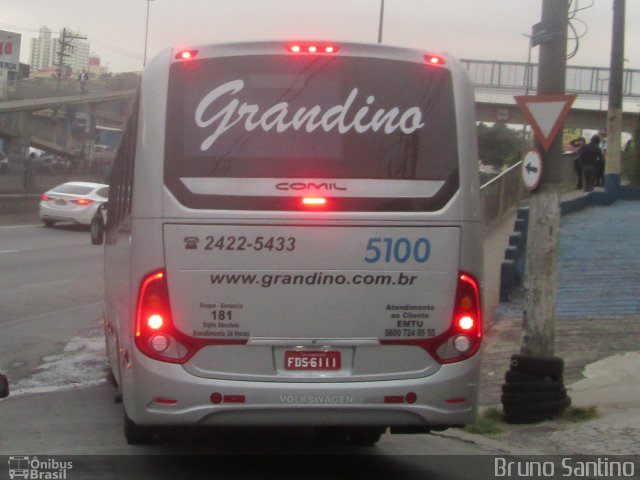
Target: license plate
311,360
61,202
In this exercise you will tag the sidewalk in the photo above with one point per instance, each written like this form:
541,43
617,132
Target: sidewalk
597,332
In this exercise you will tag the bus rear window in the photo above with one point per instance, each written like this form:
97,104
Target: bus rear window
238,128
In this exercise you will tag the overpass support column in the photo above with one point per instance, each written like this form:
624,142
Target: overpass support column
19,144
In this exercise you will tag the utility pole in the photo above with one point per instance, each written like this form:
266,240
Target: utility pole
65,43
613,165
540,279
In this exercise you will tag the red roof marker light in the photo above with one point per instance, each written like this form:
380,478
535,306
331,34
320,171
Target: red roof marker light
313,48
186,54
435,60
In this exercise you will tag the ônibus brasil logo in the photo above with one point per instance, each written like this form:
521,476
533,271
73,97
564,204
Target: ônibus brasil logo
343,117
32,468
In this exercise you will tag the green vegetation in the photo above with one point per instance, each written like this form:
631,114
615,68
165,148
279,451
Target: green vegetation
490,420
499,145
580,414
487,423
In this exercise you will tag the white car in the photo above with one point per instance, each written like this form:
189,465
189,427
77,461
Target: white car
75,202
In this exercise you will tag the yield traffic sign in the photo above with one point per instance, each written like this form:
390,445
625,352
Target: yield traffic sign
545,114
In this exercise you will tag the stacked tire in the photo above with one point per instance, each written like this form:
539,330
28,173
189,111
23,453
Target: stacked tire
534,389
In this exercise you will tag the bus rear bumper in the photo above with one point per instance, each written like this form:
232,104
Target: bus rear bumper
165,394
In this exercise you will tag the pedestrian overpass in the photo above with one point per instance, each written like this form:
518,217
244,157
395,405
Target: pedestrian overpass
46,113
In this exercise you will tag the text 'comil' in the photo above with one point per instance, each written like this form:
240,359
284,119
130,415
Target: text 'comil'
279,118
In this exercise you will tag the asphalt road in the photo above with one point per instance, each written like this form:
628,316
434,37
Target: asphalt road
61,404
50,289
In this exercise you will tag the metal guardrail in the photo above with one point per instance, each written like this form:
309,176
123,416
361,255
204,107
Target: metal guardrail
500,194
40,88
521,77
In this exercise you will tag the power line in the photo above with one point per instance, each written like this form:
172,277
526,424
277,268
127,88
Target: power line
94,40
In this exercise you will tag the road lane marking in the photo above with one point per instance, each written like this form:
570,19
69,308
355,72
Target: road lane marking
21,226
44,247
48,314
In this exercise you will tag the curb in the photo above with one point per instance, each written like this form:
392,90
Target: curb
484,441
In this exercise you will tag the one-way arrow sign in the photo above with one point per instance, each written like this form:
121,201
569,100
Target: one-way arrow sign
545,114
532,168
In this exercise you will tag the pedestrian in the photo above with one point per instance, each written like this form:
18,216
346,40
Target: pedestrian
600,164
578,143
27,172
589,157
83,77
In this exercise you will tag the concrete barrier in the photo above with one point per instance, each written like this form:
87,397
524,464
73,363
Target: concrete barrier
19,203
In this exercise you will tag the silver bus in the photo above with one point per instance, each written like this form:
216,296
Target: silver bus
294,237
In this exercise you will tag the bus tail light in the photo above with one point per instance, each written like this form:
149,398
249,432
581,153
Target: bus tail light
155,334
464,336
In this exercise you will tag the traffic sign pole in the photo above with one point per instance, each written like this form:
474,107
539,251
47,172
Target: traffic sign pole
532,169
540,279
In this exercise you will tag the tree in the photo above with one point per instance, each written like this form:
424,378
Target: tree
499,145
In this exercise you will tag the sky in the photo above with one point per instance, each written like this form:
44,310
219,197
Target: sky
470,29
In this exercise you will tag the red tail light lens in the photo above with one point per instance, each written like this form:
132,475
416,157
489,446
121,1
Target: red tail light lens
465,334
463,337
155,334
313,48
82,201
45,197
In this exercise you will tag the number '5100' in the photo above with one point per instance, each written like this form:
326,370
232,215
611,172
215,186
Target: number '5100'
398,250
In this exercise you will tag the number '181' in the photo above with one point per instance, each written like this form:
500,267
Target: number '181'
398,250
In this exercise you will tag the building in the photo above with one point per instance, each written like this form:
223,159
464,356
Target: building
96,70
43,50
77,51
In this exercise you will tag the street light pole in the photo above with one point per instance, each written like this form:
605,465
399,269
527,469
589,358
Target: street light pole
381,21
146,34
528,76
